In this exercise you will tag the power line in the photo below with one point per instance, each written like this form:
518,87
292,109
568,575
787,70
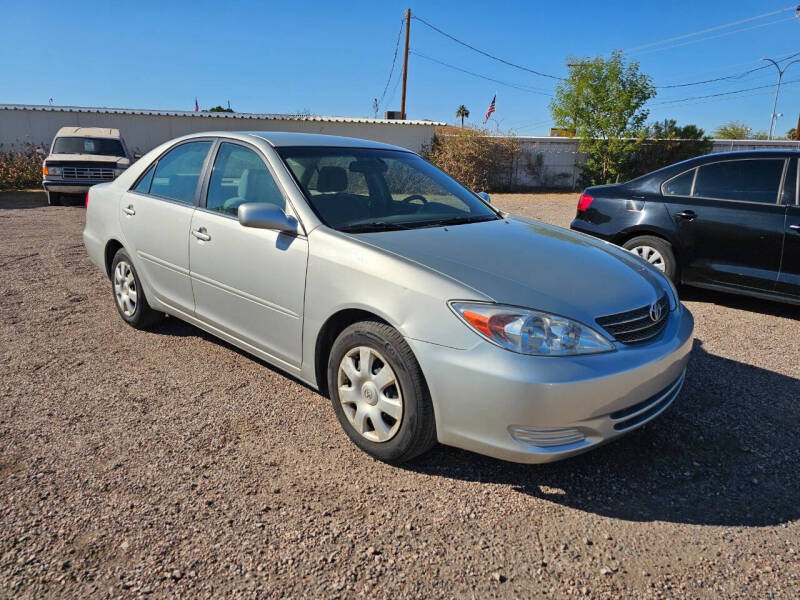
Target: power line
712,37
710,29
492,56
760,87
505,83
737,76
394,62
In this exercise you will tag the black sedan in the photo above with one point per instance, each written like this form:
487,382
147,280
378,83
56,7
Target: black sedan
728,221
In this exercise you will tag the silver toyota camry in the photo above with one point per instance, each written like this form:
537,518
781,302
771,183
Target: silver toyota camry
424,313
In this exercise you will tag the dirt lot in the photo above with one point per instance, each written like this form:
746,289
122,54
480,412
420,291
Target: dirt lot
168,463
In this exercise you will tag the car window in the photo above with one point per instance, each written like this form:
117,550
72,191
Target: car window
789,195
680,185
240,175
178,171
85,145
143,186
754,180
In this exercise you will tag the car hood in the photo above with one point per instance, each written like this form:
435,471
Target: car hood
527,263
123,162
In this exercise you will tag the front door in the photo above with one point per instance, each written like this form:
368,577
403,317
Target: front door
789,279
155,216
730,225
247,282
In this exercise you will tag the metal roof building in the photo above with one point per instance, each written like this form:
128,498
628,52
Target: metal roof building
143,129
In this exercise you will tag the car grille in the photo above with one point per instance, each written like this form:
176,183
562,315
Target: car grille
637,325
647,409
87,173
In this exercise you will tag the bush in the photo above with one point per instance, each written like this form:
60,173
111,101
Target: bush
476,160
20,170
654,154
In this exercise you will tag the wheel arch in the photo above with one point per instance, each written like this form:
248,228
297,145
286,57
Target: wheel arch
629,234
112,247
328,333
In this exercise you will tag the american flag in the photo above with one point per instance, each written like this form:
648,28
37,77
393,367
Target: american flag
196,106
490,110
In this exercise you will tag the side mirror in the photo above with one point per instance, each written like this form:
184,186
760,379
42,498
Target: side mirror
41,152
485,197
137,155
262,215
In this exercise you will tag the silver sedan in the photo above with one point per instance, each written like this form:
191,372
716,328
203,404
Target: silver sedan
422,312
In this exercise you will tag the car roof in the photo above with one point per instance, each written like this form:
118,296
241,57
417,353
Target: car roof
282,139
97,132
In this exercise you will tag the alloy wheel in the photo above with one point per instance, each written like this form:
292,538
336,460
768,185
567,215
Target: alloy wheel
370,394
125,288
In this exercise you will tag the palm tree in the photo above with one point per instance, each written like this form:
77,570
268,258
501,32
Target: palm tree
462,112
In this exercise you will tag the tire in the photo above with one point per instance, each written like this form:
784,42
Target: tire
128,294
657,251
414,431
54,199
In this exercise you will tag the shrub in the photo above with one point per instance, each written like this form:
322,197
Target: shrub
475,159
20,170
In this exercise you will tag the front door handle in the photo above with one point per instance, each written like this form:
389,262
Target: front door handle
128,210
201,234
686,214
795,227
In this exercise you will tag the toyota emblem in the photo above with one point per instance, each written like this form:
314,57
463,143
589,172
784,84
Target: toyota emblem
655,312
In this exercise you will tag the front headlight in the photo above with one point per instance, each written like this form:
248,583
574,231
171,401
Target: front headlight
52,170
530,331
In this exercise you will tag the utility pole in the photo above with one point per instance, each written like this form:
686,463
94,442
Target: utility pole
797,129
774,117
405,64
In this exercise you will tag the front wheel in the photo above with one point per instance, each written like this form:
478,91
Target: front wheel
379,393
657,251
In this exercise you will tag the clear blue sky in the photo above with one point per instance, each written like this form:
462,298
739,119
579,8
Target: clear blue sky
334,57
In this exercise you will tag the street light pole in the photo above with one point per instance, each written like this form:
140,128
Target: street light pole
773,117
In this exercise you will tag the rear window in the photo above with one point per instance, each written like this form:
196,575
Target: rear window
754,180
85,145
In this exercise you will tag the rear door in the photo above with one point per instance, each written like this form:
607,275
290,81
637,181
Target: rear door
789,278
730,224
155,216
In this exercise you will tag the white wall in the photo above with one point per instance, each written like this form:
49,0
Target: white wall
19,127
561,159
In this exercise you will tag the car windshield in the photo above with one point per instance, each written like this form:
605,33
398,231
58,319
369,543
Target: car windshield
84,145
360,190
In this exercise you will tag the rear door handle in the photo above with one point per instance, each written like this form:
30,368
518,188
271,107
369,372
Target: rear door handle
795,227
128,210
201,234
686,214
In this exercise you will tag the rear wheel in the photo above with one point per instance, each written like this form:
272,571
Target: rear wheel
129,296
656,251
54,199
379,393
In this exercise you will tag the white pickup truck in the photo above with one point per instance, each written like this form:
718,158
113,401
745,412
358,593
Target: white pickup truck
81,157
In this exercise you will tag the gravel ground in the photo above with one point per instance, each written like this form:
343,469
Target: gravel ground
168,463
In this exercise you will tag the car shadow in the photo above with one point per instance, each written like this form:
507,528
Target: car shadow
739,302
725,453
23,199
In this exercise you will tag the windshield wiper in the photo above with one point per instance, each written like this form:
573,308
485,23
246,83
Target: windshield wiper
460,220
372,226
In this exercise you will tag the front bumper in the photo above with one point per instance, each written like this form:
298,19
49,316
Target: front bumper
540,409
69,187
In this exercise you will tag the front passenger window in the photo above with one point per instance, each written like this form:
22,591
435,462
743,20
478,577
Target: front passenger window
239,175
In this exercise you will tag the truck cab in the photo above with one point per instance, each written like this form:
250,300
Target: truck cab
81,157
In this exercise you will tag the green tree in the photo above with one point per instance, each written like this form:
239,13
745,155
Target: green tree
792,134
463,113
667,143
734,130
220,109
668,129
602,100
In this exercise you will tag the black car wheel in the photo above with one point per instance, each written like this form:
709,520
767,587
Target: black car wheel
379,393
655,250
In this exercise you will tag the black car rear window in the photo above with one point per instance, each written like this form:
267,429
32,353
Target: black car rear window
750,180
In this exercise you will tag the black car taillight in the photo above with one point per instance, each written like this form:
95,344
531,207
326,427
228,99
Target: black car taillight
584,201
